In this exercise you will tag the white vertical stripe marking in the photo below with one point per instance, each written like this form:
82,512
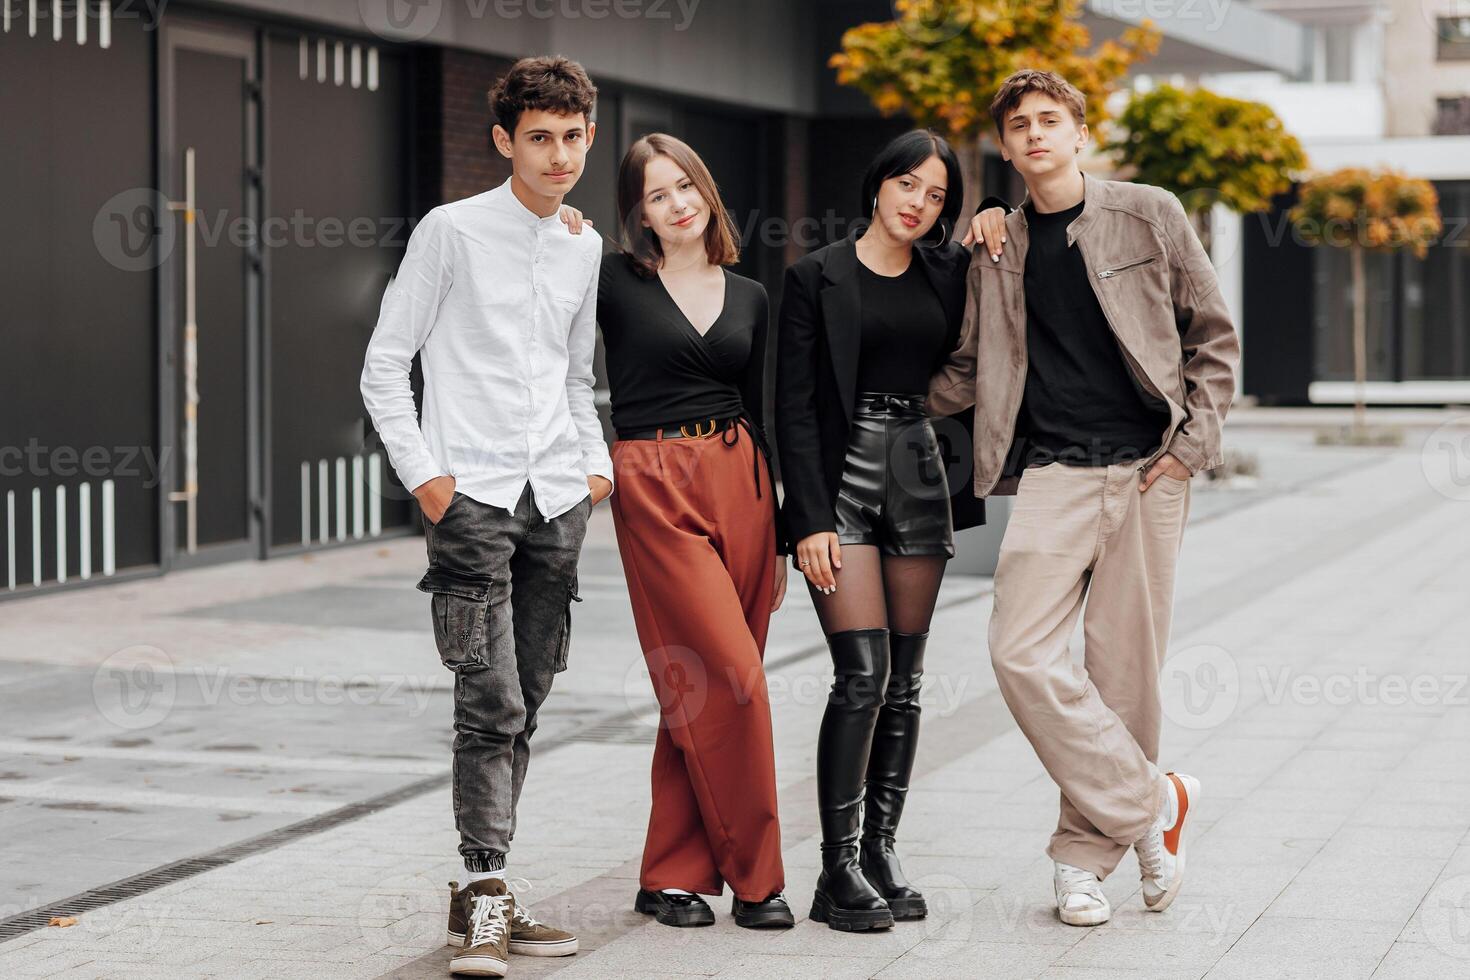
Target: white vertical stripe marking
375,495
321,59
10,527
357,502
35,535
82,21
339,59
109,530
323,515
305,57
84,528
31,17
341,498
356,75
60,529
104,24
305,504
372,69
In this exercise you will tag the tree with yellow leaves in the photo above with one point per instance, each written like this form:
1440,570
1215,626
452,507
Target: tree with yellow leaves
942,61
1366,211
1207,148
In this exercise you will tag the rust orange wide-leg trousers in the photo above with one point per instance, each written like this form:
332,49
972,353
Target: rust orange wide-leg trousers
698,552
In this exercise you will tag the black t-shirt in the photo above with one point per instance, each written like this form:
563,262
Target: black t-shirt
660,371
1081,406
903,331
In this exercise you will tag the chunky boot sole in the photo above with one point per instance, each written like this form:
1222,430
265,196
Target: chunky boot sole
906,909
682,918
849,920
764,919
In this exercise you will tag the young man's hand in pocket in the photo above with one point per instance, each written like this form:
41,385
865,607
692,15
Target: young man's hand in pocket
435,496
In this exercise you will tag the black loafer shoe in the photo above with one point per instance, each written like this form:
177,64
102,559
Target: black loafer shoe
674,910
773,913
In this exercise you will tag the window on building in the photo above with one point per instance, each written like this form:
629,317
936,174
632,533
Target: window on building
1453,117
1418,309
1436,302
1337,52
1454,38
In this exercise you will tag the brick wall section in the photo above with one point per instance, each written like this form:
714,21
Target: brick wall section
469,163
454,157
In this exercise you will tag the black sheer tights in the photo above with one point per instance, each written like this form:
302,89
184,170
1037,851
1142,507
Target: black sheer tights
878,590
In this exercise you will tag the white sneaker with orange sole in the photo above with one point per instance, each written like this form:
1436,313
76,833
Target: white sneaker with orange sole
1161,850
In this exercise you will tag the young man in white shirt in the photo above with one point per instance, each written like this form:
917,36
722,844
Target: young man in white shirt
498,299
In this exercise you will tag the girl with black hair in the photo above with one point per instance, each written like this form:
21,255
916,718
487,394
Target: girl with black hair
864,323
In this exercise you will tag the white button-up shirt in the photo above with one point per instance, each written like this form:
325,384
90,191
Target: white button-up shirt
501,305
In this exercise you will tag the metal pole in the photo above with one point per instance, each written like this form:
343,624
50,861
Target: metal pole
189,496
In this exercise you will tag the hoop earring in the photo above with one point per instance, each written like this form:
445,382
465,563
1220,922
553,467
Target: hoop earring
943,233
873,211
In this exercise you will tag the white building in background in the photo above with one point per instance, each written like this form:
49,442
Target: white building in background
1362,83
1382,84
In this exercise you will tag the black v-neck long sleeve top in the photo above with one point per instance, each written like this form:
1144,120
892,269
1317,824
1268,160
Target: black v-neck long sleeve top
660,370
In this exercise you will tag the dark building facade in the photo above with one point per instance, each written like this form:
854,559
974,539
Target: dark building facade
205,208
1298,308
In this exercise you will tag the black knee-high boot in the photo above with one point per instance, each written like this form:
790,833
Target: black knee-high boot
844,899
891,762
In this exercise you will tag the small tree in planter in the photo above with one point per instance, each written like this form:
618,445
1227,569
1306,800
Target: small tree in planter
941,62
1366,211
1206,149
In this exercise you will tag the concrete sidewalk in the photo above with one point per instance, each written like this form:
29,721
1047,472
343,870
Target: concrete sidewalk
1317,685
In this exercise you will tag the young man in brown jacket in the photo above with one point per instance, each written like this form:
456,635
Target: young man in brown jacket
1100,359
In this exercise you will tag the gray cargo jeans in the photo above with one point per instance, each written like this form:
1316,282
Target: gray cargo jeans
502,585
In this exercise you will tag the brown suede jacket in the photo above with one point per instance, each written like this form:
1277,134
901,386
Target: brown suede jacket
1159,294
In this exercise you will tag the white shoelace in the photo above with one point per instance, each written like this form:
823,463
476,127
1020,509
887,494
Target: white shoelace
487,919
521,887
1079,881
1150,849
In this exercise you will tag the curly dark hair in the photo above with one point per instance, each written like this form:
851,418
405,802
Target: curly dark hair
552,84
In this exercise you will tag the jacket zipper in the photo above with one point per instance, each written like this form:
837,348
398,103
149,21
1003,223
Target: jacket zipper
1110,273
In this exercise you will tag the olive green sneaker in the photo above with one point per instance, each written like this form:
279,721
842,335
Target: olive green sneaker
488,910
528,937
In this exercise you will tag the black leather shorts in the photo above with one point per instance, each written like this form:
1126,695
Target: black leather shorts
894,493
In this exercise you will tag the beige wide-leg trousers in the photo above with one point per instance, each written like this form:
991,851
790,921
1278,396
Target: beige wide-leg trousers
1086,533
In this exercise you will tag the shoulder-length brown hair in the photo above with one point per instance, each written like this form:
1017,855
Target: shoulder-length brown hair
640,242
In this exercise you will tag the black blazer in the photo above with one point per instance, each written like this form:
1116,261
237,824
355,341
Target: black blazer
816,377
